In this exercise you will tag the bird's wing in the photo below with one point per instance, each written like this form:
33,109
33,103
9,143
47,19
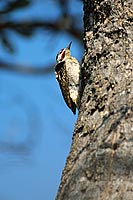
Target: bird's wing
63,79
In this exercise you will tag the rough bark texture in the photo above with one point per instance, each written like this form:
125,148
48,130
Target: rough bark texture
100,163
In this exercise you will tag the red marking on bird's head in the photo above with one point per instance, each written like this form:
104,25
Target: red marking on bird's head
63,54
60,56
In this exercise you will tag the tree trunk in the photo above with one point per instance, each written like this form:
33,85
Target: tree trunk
100,163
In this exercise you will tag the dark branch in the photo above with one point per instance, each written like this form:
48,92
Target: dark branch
27,27
17,68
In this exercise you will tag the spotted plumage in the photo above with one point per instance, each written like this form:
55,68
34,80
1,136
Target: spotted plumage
67,71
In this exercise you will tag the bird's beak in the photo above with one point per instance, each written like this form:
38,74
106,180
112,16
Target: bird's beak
68,47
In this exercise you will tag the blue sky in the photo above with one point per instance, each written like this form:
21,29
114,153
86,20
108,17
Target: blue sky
36,125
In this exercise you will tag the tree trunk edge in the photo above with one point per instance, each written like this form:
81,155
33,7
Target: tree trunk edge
100,163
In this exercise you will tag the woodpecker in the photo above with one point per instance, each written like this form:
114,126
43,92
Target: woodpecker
67,71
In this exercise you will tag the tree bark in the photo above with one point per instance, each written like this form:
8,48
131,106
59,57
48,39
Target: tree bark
100,163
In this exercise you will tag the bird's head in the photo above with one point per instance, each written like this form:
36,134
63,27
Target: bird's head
63,54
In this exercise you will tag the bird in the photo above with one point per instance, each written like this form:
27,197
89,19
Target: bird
67,72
